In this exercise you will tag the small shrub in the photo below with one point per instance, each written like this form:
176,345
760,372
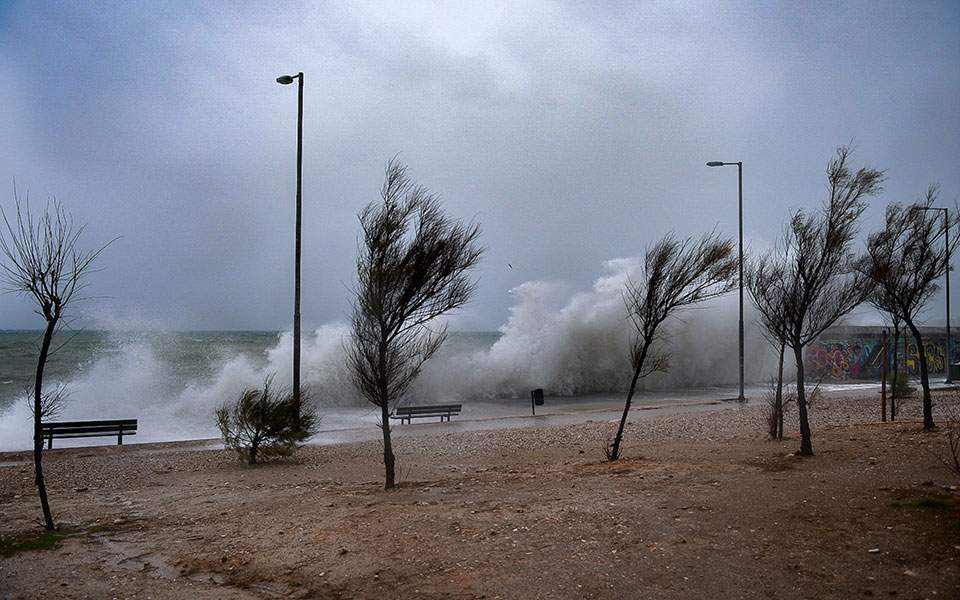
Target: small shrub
263,423
902,389
772,417
949,455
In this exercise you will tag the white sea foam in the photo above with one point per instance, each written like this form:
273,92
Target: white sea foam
567,342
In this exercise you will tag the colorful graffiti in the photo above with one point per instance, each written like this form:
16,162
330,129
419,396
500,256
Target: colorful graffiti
840,361
860,358
934,352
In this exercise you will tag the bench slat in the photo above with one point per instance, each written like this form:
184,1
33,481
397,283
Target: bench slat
84,423
444,411
439,407
94,434
81,429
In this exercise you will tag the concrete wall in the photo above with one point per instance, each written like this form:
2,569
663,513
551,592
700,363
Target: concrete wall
855,353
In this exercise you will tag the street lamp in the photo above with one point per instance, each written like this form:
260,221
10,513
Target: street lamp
287,80
717,163
946,276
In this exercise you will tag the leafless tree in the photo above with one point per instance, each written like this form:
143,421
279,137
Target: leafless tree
905,260
43,261
413,267
771,298
949,454
676,274
808,282
881,300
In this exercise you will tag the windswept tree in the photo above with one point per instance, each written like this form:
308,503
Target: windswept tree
265,423
414,266
676,274
905,260
809,281
44,261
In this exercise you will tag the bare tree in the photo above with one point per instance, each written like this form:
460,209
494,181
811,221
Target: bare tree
905,260
808,282
676,274
881,300
771,298
413,267
45,263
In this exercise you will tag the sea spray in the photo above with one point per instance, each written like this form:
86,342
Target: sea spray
569,342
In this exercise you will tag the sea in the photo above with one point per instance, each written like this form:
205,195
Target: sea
174,380
574,346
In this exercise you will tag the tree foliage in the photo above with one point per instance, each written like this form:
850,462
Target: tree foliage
904,261
413,266
809,281
266,423
676,274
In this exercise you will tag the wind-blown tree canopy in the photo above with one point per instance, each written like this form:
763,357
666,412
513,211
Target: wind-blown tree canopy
904,261
809,281
414,266
676,274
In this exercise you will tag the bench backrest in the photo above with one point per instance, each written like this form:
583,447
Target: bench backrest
106,427
417,410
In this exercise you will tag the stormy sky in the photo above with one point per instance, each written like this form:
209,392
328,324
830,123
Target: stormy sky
573,133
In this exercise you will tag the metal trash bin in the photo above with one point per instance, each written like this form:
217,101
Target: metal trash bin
536,399
537,396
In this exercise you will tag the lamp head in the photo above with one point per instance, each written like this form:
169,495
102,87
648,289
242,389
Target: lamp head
714,163
285,80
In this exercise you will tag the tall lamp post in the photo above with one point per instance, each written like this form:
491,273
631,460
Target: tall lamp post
287,80
739,164
946,276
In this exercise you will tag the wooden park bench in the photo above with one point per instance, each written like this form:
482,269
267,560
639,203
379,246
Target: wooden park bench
444,411
78,429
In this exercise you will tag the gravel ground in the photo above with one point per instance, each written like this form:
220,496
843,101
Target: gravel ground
701,505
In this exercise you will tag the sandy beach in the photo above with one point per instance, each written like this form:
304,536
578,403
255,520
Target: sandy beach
702,505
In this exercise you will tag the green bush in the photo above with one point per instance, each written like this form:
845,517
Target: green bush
263,423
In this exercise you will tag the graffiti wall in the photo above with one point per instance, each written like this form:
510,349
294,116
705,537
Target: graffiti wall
851,353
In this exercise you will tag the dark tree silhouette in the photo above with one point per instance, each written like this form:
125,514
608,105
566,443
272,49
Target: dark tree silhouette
904,261
808,282
881,300
676,274
45,263
413,267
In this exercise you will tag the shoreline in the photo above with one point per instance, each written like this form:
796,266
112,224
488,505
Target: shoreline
530,512
357,423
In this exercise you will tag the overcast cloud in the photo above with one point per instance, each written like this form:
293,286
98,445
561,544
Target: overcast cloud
573,134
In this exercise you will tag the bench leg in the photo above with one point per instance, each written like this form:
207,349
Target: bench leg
120,439
50,443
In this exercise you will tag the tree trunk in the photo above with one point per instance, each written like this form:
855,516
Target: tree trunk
806,446
37,431
895,374
615,449
883,378
778,402
924,378
388,459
